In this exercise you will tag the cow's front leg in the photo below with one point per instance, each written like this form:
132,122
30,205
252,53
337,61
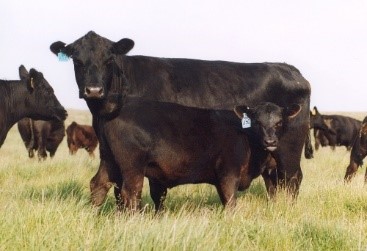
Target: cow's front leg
288,160
106,176
158,193
351,171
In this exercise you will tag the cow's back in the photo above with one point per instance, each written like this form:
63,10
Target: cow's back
214,84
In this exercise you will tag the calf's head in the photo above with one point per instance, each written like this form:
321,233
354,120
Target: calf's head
267,121
95,66
40,99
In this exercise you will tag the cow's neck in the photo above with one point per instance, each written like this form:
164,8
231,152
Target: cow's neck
12,107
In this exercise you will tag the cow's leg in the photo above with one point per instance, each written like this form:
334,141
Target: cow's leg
132,186
316,137
270,179
106,176
227,188
41,142
288,159
30,153
158,193
351,171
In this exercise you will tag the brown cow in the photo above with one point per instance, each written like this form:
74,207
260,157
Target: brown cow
81,136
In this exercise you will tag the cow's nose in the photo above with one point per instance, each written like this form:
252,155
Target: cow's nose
93,92
270,144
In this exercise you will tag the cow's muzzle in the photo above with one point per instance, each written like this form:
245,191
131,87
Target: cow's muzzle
94,92
270,144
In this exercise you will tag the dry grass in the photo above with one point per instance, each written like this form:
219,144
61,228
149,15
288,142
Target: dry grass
45,206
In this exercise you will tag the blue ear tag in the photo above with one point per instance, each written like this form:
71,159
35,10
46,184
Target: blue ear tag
62,57
246,121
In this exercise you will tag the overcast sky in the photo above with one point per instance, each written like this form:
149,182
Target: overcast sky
325,39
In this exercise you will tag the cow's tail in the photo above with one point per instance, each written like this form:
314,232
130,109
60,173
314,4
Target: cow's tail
308,146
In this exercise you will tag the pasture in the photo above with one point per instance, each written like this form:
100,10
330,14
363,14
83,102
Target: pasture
45,206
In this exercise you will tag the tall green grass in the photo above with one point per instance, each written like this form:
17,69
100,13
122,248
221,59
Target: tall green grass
45,206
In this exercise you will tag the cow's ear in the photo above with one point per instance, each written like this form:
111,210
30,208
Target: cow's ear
57,47
23,73
123,46
292,111
241,109
314,111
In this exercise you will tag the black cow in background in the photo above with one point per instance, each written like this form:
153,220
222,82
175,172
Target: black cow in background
105,75
41,136
358,153
336,130
32,97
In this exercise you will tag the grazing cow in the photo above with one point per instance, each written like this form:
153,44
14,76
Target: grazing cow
105,75
336,130
32,97
41,136
358,153
81,136
174,145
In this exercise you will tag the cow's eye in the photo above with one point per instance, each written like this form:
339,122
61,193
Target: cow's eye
279,124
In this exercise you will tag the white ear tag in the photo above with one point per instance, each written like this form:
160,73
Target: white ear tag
246,121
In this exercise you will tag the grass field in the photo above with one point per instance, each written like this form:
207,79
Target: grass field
45,206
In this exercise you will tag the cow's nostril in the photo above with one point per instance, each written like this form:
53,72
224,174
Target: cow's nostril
93,92
270,142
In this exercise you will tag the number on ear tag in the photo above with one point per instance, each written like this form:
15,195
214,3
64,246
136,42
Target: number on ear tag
62,57
246,121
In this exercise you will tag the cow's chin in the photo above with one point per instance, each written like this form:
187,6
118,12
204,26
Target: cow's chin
271,148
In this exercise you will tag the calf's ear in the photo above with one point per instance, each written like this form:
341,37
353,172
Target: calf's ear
23,73
241,109
293,110
123,46
31,82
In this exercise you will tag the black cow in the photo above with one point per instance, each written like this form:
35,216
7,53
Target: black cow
358,153
334,130
174,145
105,75
41,136
32,97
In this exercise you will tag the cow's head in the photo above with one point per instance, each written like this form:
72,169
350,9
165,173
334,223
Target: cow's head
94,58
316,120
268,121
40,98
